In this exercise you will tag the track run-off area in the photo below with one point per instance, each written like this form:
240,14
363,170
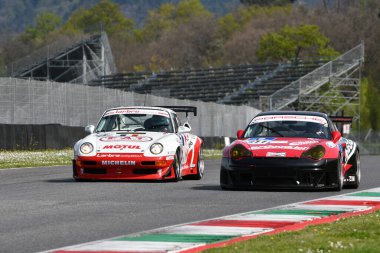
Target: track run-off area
44,208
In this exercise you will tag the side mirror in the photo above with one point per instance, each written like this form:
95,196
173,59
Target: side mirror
187,124
336,135
184,129
239,134
89,129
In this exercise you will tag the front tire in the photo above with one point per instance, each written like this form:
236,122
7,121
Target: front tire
176,168
340,177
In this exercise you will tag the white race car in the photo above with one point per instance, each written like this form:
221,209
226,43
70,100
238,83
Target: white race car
139,143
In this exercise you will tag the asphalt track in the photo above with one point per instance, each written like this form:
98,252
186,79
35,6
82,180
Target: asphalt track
43,208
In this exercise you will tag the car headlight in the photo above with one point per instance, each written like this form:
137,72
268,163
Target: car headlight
315,153
86,148
156,148
239,151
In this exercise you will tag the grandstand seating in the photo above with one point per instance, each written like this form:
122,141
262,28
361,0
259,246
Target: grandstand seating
63,61
235,85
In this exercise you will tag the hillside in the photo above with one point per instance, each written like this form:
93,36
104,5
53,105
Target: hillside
16,15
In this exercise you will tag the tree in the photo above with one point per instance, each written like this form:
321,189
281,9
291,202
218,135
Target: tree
103,16
46,22
170,16
369,111
266,2
293,43
238,21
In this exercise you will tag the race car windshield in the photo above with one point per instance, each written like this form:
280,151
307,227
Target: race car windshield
135,123
302,129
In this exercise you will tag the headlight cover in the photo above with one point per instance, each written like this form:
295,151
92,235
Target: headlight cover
156,148
239,151
315,153
86,148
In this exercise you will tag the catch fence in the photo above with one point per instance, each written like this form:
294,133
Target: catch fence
45,102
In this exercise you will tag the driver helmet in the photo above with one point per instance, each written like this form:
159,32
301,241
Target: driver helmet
156,121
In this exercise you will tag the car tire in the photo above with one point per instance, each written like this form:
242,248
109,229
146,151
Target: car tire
340,177
223,188
176,168
200,165
223,184
355,161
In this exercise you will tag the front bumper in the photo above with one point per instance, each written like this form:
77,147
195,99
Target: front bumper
278,173
123,167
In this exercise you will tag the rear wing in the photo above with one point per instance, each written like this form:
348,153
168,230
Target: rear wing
343,123
341,119
186,109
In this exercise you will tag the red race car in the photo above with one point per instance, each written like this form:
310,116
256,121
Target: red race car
290,150
139,143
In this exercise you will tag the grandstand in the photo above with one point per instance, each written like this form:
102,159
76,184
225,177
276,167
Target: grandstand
235,85
331,88
65,61
317,85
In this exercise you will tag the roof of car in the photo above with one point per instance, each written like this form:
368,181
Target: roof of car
309,113
142,107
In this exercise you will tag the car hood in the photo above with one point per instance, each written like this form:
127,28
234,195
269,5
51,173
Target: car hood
283,147
126,142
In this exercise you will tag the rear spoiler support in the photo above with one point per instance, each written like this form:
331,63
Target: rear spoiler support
186,109
346,122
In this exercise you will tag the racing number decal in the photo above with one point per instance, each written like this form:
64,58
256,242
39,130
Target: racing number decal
188,144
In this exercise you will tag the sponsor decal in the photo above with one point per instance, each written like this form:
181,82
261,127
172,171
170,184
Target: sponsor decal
276,154
137,111
307,118
131,138
170,157
121,147
279,147
330,144
259,140
192,141
297,143
119,155
122,163
184,138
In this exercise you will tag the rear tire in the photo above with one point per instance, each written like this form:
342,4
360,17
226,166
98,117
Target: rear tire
223,182
356,168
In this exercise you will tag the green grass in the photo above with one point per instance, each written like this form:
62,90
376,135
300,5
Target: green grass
351,235
34,158
212,153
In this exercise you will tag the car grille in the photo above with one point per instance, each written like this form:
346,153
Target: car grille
94,171
144,171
